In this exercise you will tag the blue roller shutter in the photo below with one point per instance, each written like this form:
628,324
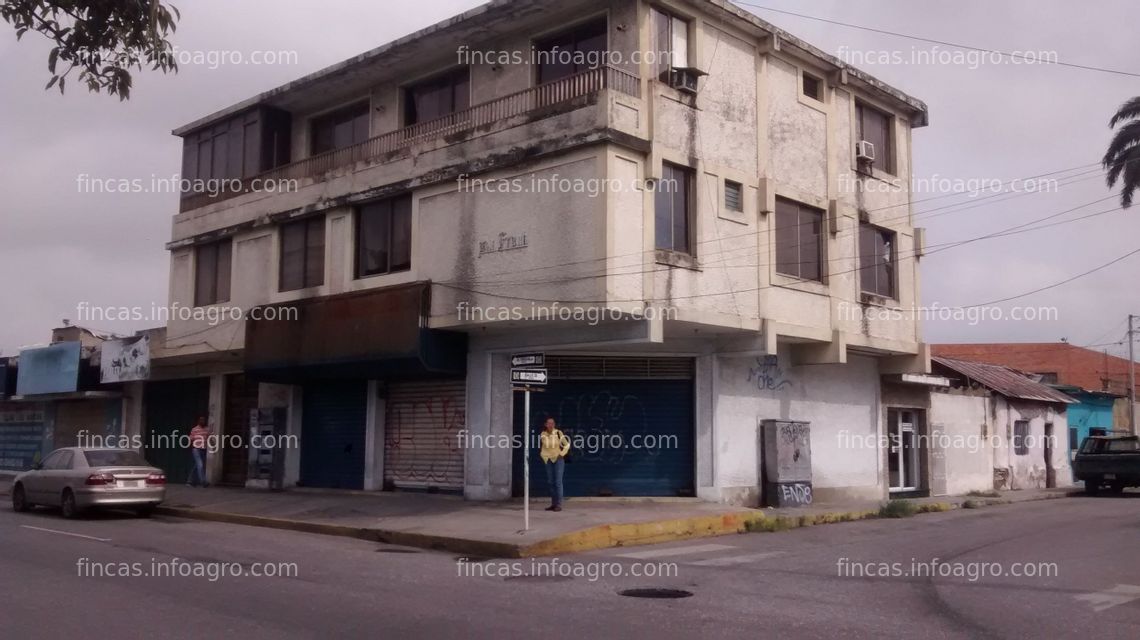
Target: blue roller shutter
333,432
598,402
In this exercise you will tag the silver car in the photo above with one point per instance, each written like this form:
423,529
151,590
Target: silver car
78,478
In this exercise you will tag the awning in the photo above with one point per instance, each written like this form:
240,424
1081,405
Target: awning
377,334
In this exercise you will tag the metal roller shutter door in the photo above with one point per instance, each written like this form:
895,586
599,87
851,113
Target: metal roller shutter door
600,399
172,408
333,434
421,429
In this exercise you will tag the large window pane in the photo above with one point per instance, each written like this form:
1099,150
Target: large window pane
799,240
212,273
315,252
340,129
437,97
875,127
384,237
672,209
579,49
292,256
876,261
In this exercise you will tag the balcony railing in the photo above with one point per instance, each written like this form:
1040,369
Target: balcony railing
487,113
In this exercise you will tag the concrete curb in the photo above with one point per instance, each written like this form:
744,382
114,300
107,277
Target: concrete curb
593,538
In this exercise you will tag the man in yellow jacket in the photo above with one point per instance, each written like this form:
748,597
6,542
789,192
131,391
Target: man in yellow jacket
554,447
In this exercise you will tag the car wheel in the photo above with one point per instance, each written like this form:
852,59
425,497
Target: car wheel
1116,488
1091,487
19,500
68,507
145,511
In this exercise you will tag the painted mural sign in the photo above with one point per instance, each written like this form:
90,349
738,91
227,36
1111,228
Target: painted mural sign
22,436
502,243
125,360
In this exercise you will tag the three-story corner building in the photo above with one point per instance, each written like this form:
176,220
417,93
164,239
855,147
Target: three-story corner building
703,221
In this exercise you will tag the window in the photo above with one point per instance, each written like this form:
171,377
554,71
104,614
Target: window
1122,445
813,87
303,254
1021,437
733,196
115,458
438,97
55,460
673,203
384,237
341,128
877,261
212,273
574,51
799,240
874,126
669,43
1073,438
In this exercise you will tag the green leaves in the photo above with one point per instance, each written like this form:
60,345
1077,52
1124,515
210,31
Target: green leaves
102,40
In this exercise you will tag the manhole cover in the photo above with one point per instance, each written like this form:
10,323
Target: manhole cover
655,593
471,559
395,550
538,578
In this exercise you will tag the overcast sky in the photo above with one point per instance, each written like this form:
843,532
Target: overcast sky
995,122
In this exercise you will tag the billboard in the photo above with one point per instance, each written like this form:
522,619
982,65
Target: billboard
125,360
53,369
23,436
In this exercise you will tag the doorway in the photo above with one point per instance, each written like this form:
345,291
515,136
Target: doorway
1050,470
903,461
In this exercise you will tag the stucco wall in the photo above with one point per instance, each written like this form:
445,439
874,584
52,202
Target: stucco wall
1012,471
960,429
840,401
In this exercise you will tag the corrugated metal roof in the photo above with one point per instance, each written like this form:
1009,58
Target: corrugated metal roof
1004,380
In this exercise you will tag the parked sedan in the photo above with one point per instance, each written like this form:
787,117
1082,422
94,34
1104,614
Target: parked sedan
78,478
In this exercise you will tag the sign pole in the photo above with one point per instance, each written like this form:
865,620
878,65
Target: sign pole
526,461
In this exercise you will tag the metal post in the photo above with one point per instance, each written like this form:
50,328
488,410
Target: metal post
1131,376
526,461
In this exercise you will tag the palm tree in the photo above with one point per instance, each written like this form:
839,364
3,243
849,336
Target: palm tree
1122,160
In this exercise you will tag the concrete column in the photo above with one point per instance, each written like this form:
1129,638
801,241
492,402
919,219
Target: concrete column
293,454
216,419
374,438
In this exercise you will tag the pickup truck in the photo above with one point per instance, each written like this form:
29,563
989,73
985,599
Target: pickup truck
1108,461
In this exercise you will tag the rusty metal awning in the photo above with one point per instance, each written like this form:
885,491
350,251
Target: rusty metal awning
376,334
1003,380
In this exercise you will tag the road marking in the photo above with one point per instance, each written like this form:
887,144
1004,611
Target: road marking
677,551
1109,598
741,559
66,533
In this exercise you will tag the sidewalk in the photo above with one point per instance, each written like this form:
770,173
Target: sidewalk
494,529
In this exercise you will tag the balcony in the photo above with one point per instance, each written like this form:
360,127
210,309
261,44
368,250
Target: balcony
464,122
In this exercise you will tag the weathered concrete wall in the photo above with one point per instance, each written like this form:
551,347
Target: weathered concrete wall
960,426
1028,471
840,401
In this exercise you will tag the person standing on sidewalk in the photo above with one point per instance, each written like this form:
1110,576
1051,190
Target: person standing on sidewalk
555,446
198,436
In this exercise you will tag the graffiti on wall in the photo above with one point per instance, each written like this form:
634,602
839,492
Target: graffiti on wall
421,442
767,375
600,423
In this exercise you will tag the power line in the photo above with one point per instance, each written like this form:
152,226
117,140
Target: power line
1006,54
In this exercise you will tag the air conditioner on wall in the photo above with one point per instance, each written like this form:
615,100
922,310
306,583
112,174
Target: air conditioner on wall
684,79
865,151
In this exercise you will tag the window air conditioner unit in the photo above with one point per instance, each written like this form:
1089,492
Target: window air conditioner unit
684,79
865,151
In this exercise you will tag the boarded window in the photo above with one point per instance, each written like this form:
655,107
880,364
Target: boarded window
799,240
340,129
874,126
573,51
303,254
733,196
673,203
438,97
384,237
212,273
1021,437
877,261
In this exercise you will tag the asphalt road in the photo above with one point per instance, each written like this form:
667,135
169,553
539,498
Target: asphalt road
61,579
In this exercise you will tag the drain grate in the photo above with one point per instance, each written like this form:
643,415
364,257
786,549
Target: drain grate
396,550
650,592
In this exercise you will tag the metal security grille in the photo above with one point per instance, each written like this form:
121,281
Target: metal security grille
421,435
618,368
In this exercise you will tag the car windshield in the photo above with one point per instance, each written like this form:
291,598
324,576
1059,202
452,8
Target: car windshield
115,458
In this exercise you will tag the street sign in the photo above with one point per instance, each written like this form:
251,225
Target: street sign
528,377
528,360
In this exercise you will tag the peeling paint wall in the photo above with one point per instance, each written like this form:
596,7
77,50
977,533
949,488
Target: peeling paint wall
1029,471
